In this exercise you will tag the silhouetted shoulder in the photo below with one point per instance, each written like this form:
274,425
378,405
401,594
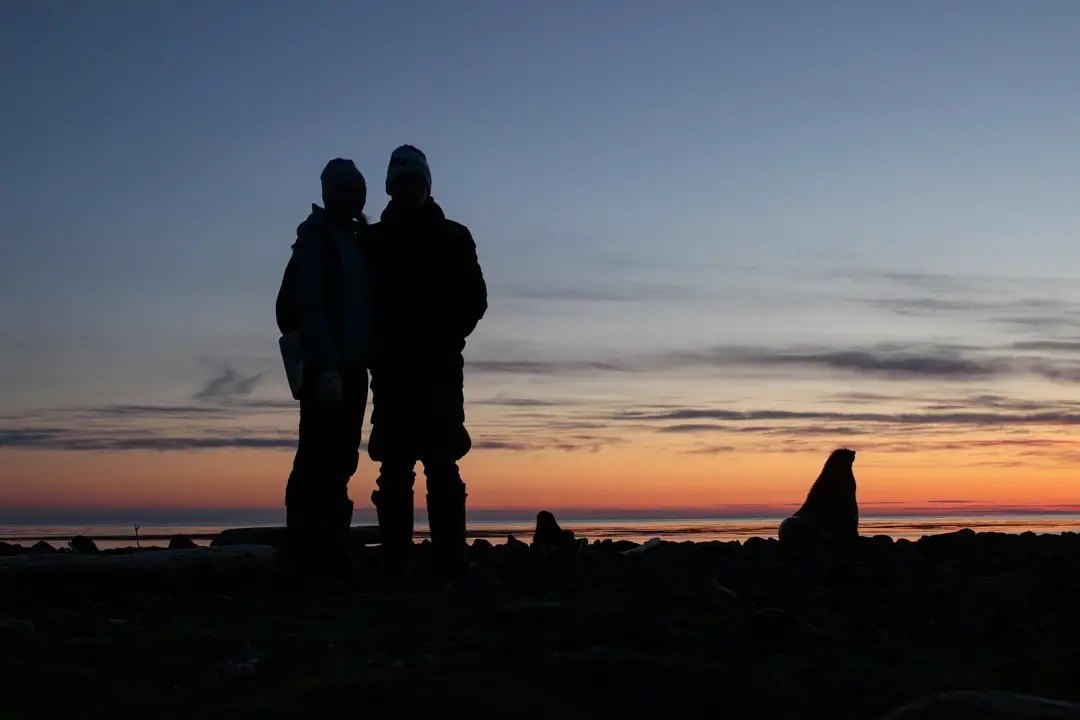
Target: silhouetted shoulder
458,231
311,228
460,237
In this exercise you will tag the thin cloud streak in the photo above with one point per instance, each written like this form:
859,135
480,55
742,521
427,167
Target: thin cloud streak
229,385
900,418
889,361
74,440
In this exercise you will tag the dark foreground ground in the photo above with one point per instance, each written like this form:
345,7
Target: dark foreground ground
678,629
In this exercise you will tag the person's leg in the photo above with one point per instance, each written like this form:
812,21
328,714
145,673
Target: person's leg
393,499
344,430
446,513
443,441
302,492
390,446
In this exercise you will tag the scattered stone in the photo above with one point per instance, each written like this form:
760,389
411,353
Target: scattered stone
723,590
231,669
947,544
84,545
480,550
512,543
756,544
229,565
642,549
67,622
830,515
829,635
776,626
991,705
181,542
17,637
9,550
241,660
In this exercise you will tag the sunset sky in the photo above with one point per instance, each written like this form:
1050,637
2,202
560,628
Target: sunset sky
721,240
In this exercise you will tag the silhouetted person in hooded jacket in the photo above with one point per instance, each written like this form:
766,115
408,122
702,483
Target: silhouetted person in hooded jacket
327,298
430,294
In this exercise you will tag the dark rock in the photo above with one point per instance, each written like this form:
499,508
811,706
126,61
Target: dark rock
215,647
755,543
549,535
482,544
530,610
947,544
647,547
237,659
17,637
67,622
481,550
181,542
775,627
830,515
8,550
480,586
73,570
617,628
42,547
513,544
83,544
235,669
724,590
720,597
274,536
992,705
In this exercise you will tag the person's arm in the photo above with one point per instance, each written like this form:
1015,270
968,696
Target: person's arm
473,288
316,337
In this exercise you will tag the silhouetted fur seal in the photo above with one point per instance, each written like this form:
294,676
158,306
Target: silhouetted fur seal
548,534
830,514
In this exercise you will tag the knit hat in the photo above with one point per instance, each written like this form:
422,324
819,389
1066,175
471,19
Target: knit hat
407,160
339,173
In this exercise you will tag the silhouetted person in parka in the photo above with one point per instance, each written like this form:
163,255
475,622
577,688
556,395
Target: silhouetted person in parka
430,294
326,301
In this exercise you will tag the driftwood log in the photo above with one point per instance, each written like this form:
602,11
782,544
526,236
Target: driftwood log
986,705
275,536
139,570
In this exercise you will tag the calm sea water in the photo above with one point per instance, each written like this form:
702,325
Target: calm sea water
628,528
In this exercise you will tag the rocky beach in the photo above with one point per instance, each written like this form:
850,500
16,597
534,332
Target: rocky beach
556,627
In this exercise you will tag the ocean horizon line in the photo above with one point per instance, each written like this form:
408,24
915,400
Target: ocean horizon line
636,529
275,515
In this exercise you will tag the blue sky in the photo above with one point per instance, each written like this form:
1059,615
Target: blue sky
747,202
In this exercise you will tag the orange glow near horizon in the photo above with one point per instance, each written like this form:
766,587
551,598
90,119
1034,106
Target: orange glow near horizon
615,478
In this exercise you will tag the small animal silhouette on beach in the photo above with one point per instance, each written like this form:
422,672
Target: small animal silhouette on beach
830,515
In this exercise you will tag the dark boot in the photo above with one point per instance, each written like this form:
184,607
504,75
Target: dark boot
394,504
300,554
446,516
336,536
